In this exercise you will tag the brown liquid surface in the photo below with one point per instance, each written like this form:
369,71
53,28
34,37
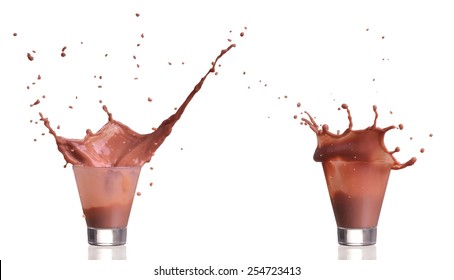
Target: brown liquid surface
357,165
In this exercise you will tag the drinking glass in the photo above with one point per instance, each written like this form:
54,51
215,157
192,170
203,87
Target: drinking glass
106,195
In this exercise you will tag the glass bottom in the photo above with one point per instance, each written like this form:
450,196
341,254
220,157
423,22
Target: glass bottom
106,236
357,236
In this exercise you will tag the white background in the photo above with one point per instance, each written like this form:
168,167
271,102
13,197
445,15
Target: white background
234,185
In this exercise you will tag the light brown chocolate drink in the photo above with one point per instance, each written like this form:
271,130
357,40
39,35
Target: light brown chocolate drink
107,165
115,144
106,194
357,166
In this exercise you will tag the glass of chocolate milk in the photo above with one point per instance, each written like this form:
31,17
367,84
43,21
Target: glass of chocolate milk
107,166
106,194
357,166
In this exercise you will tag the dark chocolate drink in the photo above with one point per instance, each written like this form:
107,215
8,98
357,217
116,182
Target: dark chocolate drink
356,190
357,166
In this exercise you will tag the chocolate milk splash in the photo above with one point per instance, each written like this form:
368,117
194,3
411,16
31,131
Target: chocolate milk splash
366,145
115,144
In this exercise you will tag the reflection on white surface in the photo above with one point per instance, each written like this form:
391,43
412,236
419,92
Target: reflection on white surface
357,252
107,252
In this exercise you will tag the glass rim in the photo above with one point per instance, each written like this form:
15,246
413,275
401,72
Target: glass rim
107,167
358,161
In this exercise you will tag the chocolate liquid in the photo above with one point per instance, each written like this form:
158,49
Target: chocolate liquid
357,165
114,216
115,144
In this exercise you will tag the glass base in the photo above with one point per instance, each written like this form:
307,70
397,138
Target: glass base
357,236
106,236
